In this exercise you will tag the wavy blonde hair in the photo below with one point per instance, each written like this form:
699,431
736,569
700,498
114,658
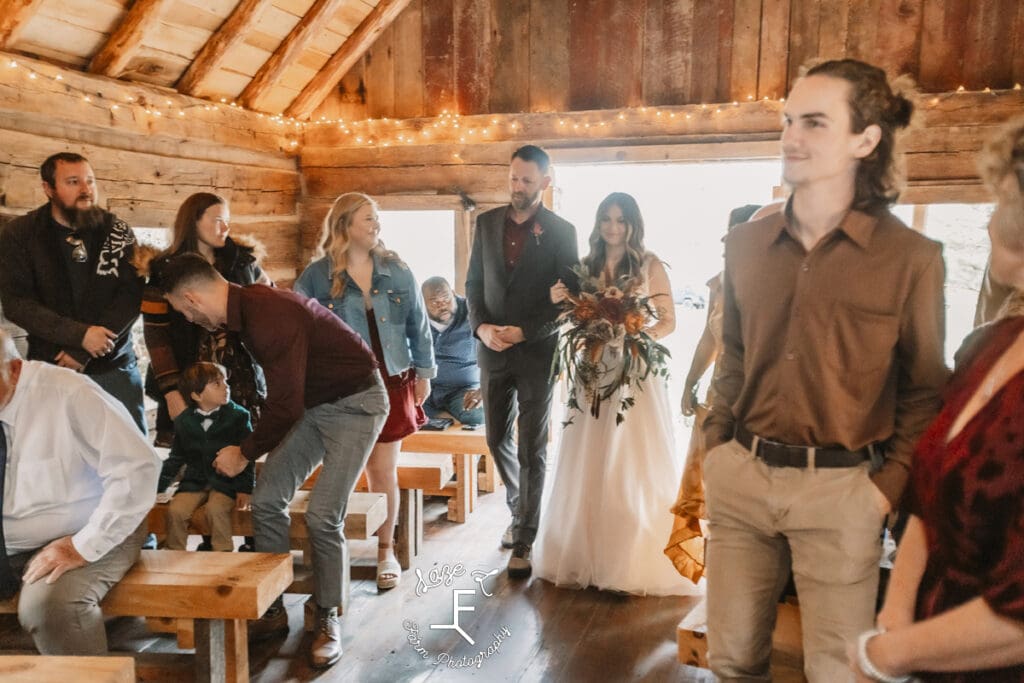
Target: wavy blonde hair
335,242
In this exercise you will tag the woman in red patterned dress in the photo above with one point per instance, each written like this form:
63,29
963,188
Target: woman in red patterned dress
955,606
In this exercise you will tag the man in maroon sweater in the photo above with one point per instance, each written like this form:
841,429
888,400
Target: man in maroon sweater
326,403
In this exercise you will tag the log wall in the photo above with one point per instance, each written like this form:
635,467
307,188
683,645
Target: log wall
146,165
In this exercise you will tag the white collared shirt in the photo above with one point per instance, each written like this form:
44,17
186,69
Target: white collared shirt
76,464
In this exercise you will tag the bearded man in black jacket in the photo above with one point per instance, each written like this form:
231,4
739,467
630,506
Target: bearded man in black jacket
66,276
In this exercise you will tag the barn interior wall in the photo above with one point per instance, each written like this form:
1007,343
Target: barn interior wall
146,165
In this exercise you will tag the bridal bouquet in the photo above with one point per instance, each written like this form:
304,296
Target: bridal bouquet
604,346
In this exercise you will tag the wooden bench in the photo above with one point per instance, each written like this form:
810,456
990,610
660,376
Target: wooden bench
465,448
787,644
219,591
365,514
53,669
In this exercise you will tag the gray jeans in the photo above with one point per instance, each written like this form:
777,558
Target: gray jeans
340,435
64,618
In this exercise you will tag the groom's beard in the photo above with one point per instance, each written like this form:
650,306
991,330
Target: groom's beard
522,201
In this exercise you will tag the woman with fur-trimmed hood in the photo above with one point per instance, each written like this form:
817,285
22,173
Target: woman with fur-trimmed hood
202,227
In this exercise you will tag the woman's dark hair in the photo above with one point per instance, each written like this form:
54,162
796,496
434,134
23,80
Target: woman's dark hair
873,102
630,265
185,237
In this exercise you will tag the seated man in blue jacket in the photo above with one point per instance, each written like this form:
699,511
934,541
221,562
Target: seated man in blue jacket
456,389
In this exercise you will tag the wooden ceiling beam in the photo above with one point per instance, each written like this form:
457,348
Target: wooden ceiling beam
113,57
230,34
14,14
288,52
341,61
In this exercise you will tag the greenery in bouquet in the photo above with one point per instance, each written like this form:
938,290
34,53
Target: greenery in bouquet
604,346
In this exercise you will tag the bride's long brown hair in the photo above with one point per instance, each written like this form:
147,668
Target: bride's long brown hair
632,263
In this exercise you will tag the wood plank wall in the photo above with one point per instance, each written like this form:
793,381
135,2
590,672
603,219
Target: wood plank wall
146,165
502,56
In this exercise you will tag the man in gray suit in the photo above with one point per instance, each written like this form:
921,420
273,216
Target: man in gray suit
519,252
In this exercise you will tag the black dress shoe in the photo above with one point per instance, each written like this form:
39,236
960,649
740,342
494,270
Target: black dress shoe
519,566
274,622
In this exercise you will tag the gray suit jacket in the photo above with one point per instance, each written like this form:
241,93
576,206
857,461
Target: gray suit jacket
522,297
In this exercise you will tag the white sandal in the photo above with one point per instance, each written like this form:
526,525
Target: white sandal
389,571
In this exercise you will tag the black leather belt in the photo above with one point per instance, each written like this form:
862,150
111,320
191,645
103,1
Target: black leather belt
777,454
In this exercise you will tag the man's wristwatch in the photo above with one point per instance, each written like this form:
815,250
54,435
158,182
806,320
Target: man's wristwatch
868,667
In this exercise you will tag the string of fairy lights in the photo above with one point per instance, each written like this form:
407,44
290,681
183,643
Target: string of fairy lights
448,127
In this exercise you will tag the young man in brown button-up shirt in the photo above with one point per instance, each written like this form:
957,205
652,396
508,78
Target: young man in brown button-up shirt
832,367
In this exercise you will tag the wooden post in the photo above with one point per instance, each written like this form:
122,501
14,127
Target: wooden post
405,548
920,217
463,247
210,650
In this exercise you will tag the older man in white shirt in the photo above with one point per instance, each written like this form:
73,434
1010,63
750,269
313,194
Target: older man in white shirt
78,482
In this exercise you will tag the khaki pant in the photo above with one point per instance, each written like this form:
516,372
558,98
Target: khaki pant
218,516
825,523
64,617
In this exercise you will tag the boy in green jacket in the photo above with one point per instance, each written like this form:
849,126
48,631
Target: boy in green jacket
211,422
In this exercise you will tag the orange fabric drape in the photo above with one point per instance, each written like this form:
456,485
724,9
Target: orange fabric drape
686,542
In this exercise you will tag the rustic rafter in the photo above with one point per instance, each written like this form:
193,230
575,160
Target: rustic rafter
338,65
316,20
114,56
232,32
14,14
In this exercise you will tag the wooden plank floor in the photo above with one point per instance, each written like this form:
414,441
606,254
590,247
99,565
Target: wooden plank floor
555,634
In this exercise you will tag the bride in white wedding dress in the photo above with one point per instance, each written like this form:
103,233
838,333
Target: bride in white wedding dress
606,515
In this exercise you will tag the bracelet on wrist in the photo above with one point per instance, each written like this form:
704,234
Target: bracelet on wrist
868,667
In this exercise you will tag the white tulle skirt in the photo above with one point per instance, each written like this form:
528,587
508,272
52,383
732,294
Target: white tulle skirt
605,515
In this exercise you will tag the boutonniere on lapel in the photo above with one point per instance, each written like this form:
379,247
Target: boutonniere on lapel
537,232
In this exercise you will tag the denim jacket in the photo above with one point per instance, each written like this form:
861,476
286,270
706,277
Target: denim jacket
397,305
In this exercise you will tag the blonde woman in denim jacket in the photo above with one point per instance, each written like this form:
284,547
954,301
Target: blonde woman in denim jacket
375,293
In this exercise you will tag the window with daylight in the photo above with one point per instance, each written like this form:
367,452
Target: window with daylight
424,239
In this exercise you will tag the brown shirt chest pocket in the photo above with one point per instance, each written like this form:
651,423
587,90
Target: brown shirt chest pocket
860,340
